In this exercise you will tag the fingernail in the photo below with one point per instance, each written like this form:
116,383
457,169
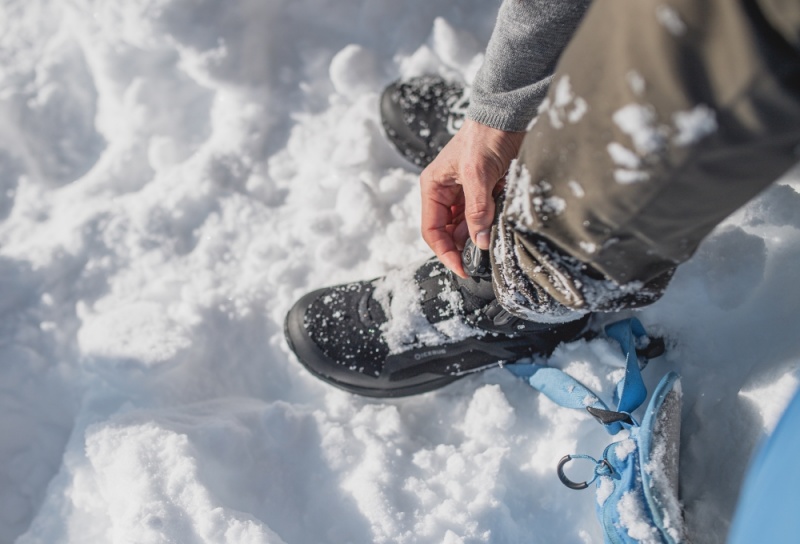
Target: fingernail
482,239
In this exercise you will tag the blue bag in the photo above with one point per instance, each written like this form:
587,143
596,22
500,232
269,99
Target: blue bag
637,476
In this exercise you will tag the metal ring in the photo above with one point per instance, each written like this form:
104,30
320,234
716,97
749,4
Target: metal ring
606,463
563,477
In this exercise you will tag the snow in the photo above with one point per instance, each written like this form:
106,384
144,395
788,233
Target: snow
629,161
622,156
671,20
772,399
639,122
576,189
694,125
624,448
635,82
588,247
626,177
563,98
174,174
520,189
401,298
604,490
633,519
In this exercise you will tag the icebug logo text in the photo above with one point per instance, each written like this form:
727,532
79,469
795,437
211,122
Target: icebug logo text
429,353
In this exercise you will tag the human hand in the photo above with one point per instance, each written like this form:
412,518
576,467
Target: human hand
458,190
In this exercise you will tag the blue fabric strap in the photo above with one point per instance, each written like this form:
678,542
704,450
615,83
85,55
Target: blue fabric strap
630,392
558,386
566,391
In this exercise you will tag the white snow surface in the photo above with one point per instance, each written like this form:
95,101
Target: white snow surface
174,174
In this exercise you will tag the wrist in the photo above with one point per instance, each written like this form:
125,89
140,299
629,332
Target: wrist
504,144
507,121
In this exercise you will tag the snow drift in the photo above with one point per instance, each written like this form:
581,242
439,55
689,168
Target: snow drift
175,173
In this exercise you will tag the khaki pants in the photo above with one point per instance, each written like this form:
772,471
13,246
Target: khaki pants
664,117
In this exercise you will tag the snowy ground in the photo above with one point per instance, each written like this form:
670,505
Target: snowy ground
174,173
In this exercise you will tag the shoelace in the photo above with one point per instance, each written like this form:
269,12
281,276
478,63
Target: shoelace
457,108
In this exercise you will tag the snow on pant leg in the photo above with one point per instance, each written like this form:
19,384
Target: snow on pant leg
664,117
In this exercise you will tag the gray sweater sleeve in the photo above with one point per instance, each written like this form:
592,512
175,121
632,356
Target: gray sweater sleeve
527,40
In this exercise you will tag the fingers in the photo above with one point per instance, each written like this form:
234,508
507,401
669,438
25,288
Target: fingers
452,260
460,235
479,204
437,222
443,245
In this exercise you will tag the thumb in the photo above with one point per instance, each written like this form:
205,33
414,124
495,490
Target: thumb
479,209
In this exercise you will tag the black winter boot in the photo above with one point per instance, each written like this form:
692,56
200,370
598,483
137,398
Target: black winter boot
414,330
422,114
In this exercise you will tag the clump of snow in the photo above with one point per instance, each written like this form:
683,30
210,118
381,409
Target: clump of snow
635,82
670,19
354,70
624,448
489,415
551,205
532,202
401,299
456,48
576,189
622,156
634,520
150,480
407,326
639,122
694,125
578,111
565,107
626,177
629,163
605,488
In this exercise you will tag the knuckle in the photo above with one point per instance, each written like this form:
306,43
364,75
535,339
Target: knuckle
474,171
428,174
478,215
426,236
479,210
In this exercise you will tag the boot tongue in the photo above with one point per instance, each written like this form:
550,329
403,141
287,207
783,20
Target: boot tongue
477,293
